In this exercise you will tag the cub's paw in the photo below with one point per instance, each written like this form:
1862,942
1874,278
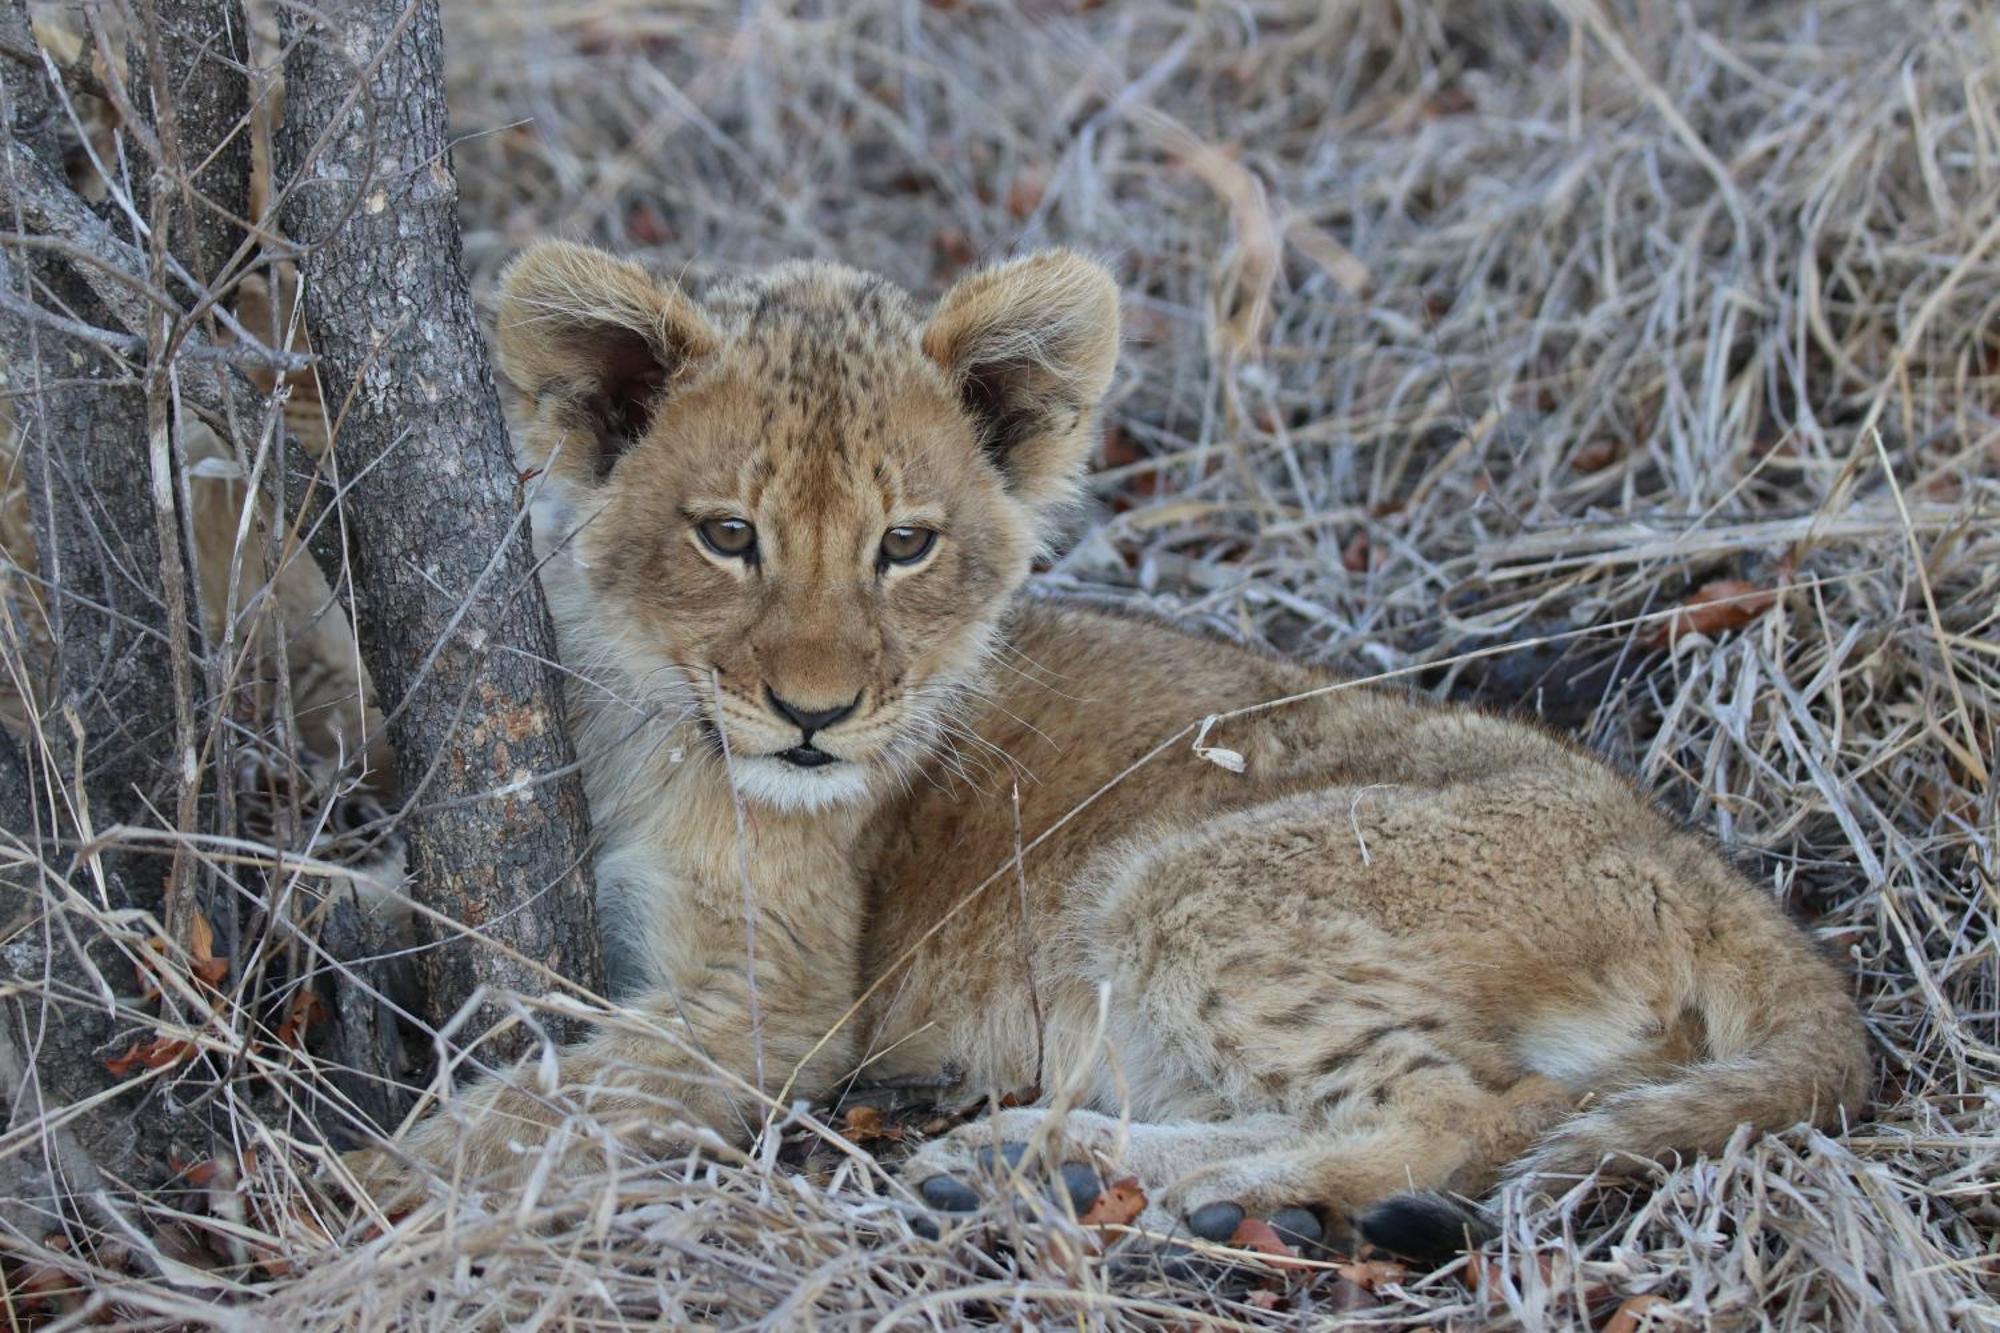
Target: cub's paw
1222,1224
953,1182
1431,1229
1058,1156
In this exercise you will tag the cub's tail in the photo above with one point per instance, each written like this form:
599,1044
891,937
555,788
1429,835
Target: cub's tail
1781,1044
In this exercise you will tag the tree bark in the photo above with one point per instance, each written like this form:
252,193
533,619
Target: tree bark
192,56
199,106
84,454
53,1026
446,601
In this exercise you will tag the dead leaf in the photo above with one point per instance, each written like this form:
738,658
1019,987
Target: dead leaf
1632,1314
1260,1237
1357,555
645,224
200,1174
1714,607
204,966
1025,192
1595,457
1122,1202
207,967
305,1010
154,1054
38,1282
1369,1274
954,249
864,1124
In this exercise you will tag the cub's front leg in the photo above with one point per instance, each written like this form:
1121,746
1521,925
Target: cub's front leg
710,1054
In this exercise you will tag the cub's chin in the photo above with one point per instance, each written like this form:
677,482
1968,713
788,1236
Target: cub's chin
780,784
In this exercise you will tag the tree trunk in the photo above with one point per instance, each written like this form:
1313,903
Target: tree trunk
447,605
199,104
104,541
53,1027
83,452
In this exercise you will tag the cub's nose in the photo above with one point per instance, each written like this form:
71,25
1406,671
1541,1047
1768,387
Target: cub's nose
809,720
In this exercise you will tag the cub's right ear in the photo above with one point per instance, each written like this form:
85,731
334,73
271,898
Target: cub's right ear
593,341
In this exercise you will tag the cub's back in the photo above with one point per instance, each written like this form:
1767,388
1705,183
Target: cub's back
1089,724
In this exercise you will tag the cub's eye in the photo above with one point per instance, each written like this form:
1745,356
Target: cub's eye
906,546
732,537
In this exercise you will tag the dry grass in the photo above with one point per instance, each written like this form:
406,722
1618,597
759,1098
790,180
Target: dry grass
1467,341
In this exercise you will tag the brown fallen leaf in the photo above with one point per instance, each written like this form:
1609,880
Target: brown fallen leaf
1122,1202
1716,606
200,1174
1357,555
154,1054
207,967
305,1010
1368,1274
1595,456
1259,1237
1632,1314
1025,192
953,248
645,224
39,1285
864,1124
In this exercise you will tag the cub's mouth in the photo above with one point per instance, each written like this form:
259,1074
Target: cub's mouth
806,756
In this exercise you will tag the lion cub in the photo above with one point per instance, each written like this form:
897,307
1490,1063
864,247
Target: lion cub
1408,946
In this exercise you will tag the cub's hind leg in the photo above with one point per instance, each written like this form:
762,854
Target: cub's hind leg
1273,1049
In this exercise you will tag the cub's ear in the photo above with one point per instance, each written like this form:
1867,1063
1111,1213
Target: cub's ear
1031,345
593,341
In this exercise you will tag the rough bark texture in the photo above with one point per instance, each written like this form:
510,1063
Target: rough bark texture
200,100
191,59
53,1028
450,616
364,1052
84,453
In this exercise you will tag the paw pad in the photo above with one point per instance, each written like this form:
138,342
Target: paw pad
948,1194
952,1195
1298,1227
1219,1222
1216,1221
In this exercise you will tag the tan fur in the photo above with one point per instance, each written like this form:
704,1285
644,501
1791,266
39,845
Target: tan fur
1409,945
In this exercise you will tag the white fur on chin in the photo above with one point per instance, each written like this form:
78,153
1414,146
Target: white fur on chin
763,780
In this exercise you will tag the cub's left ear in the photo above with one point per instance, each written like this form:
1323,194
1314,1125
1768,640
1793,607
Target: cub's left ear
1031,345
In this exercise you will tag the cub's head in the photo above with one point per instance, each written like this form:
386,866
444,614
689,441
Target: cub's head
801,503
